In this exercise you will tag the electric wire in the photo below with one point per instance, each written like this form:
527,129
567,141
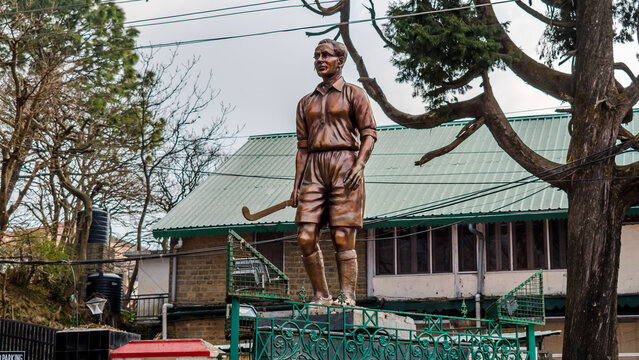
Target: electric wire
312,27
224,15
559,169
159,256
413,212
40,34
205,11
287,30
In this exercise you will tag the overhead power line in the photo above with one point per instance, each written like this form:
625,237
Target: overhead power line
205,11
311,27
136,23
224,15
410,211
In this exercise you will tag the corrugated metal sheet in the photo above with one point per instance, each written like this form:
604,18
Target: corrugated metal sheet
476,179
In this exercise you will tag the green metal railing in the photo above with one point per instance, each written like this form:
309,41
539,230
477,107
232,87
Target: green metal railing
335,332
251,276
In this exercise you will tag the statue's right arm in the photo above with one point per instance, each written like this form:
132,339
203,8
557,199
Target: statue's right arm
300,165
302,150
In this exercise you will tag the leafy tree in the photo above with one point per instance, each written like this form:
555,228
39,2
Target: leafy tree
442,52
49,50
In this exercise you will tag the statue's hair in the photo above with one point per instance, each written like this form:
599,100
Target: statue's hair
338,47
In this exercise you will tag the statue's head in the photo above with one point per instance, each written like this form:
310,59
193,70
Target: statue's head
330,57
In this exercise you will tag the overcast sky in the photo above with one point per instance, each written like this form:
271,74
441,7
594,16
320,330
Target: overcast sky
263,77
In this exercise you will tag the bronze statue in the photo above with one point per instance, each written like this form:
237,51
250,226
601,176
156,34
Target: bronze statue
336,132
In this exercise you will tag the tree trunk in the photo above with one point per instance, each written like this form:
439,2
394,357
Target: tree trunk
134,277
4,293
145,207
82,232
594,242
595,212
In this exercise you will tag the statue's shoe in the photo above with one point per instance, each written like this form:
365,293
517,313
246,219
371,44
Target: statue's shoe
318,300
347,302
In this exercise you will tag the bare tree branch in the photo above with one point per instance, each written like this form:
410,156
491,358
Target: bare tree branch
630,95
552,82
512,144
468,129
24,189
625,135
309,33
469,108
537,15
457,83
322,10
379,31
463,109
622,66
627,182
627,176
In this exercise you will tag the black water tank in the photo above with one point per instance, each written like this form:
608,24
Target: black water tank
106,285
100,230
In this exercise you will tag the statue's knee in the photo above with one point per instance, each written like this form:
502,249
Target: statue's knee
307,239
344,238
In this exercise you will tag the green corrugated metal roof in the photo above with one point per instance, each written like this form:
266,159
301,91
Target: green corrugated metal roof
261,174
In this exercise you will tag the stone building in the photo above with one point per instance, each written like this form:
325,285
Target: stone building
416,251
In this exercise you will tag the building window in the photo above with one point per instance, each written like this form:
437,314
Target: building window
385,251
557,230
530,245
272,250
412,250
497,247
408,250
442,249
526,245
467,245
521,245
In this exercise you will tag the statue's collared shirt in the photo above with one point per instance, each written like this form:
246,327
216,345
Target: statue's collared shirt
335,119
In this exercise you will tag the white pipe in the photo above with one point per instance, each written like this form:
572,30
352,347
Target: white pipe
165,306
478,309
480,271
177,246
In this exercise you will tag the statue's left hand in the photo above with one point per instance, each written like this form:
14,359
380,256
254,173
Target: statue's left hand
354,177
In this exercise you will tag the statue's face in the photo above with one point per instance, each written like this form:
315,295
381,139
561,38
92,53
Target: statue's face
327,64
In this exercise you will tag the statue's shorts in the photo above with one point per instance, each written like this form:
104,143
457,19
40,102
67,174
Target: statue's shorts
323,198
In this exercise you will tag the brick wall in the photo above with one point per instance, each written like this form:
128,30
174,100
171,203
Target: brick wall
294,267
209,329
201,280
